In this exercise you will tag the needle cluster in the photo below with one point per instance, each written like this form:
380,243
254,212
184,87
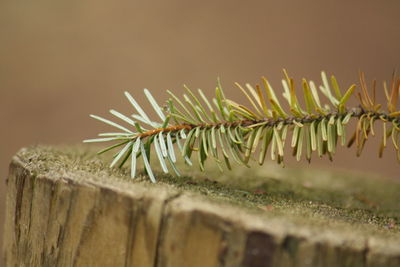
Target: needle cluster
227,131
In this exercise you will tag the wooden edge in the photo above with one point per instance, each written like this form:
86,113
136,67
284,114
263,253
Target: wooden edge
68,219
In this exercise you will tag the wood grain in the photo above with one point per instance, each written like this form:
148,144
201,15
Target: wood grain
74,218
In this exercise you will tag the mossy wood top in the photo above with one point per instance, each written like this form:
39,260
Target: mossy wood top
351,210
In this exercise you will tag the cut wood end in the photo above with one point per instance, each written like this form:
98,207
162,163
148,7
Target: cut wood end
65,207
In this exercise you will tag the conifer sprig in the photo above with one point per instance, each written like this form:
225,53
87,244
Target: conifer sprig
226,131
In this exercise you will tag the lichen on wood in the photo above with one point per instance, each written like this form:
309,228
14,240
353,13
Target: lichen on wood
65,207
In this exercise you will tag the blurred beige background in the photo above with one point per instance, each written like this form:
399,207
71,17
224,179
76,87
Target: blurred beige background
61,60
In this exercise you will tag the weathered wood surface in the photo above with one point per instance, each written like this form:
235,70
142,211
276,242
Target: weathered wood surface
64,208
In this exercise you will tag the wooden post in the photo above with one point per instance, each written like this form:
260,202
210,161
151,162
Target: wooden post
64,208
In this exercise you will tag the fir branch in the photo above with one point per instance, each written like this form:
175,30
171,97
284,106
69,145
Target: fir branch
221,128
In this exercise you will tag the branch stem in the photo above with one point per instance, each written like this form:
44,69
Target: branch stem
355,113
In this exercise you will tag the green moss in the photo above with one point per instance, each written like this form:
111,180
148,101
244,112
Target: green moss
320,199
